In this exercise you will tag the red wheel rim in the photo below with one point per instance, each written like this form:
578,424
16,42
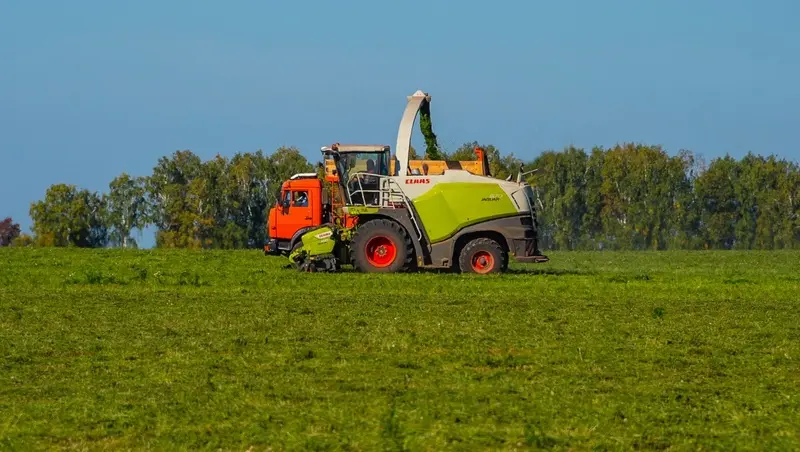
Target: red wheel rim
482,262
381,251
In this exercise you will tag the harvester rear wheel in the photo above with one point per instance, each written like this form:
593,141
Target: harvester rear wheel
482,255
382,246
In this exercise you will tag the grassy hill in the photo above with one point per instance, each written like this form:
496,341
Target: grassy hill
207,350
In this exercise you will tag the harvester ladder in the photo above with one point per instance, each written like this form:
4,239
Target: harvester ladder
392,194
414,221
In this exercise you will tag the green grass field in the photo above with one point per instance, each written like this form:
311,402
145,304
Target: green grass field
227,350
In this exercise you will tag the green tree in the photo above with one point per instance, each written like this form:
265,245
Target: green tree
716,190
287,161
561,180
789,188
127,208
244,206
500,166
219,203
642,187
464,152
765,211
173,197
280,166
629,197
70,217
592,231
686,221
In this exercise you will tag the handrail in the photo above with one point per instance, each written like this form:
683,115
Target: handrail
386,185
386,194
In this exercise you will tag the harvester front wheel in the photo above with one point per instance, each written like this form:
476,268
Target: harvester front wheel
482,255
382,246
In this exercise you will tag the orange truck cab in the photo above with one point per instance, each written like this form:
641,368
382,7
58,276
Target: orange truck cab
299,208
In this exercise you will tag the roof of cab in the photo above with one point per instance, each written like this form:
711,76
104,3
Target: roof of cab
346,148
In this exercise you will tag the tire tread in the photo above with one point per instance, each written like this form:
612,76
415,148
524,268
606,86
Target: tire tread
485,243
405,248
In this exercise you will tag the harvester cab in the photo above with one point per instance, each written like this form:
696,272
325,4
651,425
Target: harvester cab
359,169
403,221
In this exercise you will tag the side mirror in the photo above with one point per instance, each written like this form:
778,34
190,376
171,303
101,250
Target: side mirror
285,203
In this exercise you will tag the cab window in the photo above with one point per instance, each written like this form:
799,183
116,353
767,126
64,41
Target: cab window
300,199
370,162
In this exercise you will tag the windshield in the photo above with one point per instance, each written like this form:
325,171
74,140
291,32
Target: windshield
369,162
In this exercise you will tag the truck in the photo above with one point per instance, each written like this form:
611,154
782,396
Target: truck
303,204
389,218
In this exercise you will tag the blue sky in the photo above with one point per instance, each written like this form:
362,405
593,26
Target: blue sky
93,88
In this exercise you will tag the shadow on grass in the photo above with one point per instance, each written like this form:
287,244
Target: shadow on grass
549,271
351,270
440,271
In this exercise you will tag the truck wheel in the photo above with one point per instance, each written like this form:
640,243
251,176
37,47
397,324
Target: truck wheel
381,246
296,245
482,256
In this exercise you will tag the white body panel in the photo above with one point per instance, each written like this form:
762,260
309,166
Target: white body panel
416,186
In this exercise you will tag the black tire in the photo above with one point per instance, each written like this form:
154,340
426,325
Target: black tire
482,256
296,245
396,244
288,253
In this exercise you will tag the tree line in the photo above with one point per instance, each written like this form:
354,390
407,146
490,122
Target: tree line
628,197
220,203
636,197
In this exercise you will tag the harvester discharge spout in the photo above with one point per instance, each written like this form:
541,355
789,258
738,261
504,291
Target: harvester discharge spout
419,103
